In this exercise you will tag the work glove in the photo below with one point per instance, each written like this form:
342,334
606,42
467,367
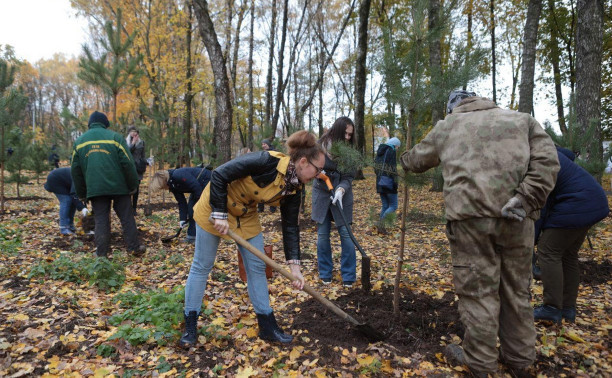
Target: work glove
337,200
513,209
84,212
183,224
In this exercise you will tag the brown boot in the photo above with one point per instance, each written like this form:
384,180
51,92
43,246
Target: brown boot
455,357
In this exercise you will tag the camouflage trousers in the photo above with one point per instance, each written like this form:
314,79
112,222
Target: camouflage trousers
492,275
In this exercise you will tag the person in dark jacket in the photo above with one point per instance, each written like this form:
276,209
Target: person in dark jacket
386,164
103,172
137,148
54,157
324,209
180,181
576,203
59,182
230,201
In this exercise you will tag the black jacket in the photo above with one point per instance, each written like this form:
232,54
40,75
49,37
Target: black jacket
262,168
59,181
187,180
385,157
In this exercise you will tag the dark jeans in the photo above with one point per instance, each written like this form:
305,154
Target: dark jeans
123,208
558,257
135,197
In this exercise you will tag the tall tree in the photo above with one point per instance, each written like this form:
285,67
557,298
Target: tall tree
185,137
555,57
279,75
530,39
589,42
250,74
435,61
222,131
12,103
121,71
269,84
493,52
361,73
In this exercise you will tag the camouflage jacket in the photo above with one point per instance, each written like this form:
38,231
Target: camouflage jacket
488,155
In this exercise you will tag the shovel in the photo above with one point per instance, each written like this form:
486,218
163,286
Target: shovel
365,329
365,259
168,239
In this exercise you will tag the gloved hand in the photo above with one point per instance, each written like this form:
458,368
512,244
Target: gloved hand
84,212
338,197
183,224
513,209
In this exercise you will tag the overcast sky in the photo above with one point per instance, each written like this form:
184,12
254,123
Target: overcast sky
39,28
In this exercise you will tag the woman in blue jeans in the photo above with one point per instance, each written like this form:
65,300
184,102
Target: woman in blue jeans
230,202
386,165
326,209
59,182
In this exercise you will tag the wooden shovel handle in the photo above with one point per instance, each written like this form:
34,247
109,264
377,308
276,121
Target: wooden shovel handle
276,266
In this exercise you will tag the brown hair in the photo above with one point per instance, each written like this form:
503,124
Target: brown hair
336,132
303,144
159,181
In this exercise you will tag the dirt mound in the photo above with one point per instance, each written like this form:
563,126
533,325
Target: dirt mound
423,321
592,273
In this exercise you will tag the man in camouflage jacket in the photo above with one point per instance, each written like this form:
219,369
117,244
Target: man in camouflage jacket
498,167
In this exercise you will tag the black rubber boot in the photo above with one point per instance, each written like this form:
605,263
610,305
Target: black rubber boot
190,336
269,329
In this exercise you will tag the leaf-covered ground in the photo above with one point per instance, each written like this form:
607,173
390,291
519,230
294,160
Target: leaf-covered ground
61,316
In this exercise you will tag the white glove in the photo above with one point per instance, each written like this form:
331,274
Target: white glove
84,212
338,197
183,224
150,161
513,209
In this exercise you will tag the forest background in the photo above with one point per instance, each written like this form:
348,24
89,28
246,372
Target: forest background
203,79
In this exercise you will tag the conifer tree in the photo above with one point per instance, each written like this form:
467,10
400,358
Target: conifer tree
117,68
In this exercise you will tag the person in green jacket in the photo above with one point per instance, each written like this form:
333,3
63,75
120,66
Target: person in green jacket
103,172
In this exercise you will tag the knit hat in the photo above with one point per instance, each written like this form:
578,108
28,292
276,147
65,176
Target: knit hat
266,141
97,117
455,98
394,142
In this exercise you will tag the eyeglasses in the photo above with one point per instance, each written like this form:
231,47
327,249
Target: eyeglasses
319,170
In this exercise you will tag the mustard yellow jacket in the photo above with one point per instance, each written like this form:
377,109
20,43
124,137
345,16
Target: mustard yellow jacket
236,188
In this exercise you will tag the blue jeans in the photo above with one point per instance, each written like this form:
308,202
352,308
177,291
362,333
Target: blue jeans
389,204
66,213
348,261
206,245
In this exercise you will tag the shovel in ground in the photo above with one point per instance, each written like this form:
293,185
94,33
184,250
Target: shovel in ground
365,329
365,259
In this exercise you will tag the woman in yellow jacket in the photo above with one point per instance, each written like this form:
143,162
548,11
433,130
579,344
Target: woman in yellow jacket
230,201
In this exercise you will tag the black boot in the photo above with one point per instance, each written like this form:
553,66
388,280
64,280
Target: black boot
190,336
269,329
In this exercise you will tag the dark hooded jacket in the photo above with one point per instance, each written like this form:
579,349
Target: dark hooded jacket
386,165
576,201
59,181
102,164
187,180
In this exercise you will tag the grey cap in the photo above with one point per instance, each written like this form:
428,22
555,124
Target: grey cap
455,97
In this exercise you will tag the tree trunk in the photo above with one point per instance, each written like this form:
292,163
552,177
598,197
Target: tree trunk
493,58
435,61
279,73
223,117
589,50
361,74
250,68
470,11
555,61
270,67
188,96
530,39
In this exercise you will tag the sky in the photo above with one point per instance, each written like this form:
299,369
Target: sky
38,29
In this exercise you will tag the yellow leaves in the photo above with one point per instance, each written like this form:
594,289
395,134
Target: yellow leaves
251,332
34,333
219,321
296,352
19,317
365,360
573,336
20,369
246,372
